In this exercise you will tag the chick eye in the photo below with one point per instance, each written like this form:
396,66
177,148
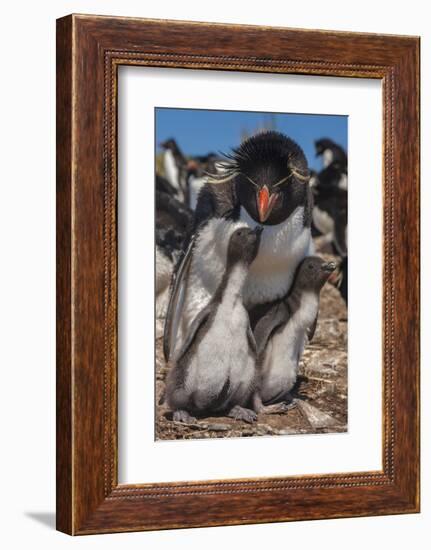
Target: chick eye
310,266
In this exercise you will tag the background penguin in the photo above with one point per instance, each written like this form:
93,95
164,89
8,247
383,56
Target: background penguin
184,178
198,170
215,370
163,186
172,213
331,152
330,215
332,176
264,182
329,189
174,166
168,247
281,333
173,223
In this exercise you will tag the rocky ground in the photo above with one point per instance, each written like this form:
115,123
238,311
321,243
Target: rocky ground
319,397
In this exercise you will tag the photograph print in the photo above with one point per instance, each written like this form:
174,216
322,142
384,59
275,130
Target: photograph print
251,262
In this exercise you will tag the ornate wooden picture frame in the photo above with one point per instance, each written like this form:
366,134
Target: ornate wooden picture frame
89,51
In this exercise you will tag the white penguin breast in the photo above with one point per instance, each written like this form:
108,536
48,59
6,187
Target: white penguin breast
224,353
308,309
210,254
342,184
172,171
289,341
208,266
328,157
282,248
195,185
284,350
270,276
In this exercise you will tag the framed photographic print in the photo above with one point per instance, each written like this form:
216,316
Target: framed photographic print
237,274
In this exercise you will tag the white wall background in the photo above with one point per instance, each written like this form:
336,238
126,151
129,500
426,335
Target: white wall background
141,459
27,297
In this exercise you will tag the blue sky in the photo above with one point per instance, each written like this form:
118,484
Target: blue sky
198,132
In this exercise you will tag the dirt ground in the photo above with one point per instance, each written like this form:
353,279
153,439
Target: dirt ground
319,398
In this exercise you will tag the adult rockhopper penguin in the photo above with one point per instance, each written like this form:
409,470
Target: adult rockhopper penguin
264,182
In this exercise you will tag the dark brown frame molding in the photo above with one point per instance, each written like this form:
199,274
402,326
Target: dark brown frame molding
89,51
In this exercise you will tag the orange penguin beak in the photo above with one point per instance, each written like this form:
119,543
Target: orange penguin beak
265,203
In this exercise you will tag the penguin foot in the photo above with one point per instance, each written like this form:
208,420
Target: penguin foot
241,413
183,416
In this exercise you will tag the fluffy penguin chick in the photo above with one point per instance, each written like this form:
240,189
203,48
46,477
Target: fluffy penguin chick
284,329
215,371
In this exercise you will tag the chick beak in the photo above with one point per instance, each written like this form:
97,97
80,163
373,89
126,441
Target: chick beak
265,203
329,267
258,230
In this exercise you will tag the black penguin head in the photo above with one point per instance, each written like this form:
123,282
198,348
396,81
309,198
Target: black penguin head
338,158
194,167
270,175
313,273
243,245
171,145
210,163
321,145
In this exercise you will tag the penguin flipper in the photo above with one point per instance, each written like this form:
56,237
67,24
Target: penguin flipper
196,325
278,315
176,302
312,329
251,339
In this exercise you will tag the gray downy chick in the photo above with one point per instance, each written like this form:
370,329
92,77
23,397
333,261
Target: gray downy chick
215,371
284,329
